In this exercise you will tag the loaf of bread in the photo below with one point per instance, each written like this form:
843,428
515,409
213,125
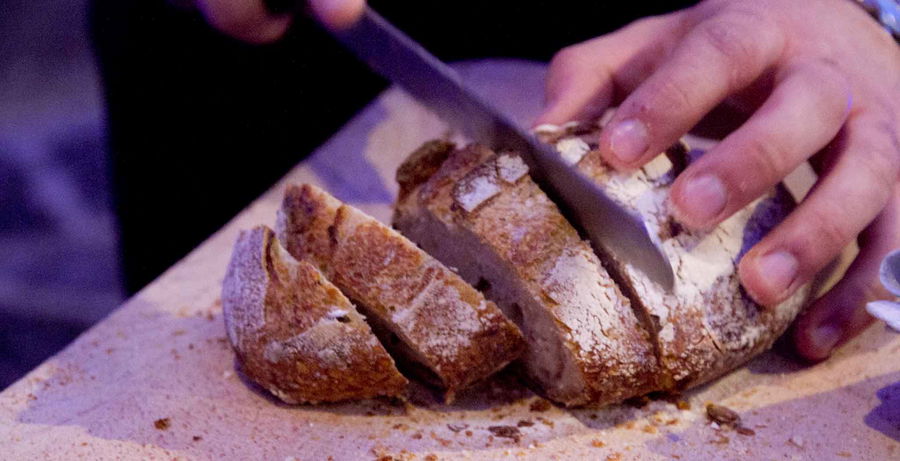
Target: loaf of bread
707,326
597,332
294,333
425,313
482,213
587,328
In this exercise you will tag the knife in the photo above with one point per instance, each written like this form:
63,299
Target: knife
602,220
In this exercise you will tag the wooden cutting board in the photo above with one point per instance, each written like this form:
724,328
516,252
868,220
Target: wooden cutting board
157,379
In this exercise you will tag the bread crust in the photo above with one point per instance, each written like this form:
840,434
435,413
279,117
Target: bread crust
295,334
507,232
442,322
708,325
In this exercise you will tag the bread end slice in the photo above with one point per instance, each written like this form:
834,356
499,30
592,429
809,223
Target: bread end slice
295,334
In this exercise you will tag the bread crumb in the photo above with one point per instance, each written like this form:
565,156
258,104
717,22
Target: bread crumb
508,432
796,441
162,423
722,415
683,404
597,443
456,427
614,457
540,405
844,454
650,429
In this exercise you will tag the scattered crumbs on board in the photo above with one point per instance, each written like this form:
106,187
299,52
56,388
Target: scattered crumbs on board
507,432
540,405
162,423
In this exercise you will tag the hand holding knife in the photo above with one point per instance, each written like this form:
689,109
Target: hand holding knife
403,61
395,56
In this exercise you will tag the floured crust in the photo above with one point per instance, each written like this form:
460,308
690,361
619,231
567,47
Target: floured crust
294,333
585,344
708,325
441,321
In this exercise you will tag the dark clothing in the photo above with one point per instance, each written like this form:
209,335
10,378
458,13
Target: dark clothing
201,124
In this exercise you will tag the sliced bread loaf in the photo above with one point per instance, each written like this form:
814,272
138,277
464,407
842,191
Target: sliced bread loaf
294,333
433,317
482,213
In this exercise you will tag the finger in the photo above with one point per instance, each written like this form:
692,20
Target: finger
582,79
719,56
806,110
338,14
842,204
246,20
840,314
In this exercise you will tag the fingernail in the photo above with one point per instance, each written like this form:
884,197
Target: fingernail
628,140
824,337
778,270
702,198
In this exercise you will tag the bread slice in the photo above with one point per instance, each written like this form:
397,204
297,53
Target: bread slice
707,326
294,333
436,319
482,213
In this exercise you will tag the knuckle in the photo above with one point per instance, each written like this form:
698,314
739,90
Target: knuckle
830,234
738,35
831,82
882,162
664,96
766,159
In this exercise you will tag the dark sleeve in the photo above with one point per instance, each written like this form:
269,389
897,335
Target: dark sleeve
200,124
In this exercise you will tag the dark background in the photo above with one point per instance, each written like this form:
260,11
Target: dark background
130,131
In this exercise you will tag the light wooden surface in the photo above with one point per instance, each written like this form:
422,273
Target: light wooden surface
156,380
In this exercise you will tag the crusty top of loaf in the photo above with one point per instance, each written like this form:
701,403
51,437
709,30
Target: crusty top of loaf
294,332
708,325
448,325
